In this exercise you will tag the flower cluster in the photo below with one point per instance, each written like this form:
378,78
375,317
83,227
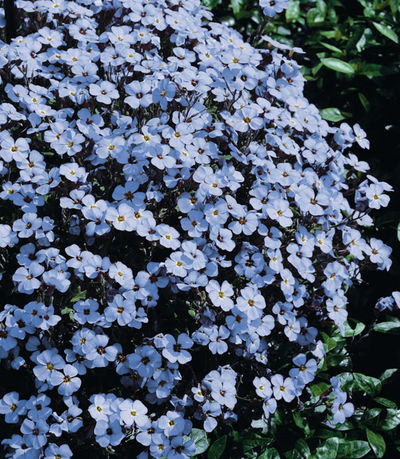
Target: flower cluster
216,397
341,409
389,303
174,214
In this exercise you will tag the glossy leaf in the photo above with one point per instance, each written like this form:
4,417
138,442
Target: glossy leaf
386,402
302,448
370,69
329,343
320,388
388,374
387,31
292,13
350,332
392,326
391,421
300,422
210,3
217,448
377,443
394,6
338,65
237,6
200,439
315,17
321,6
332,114
254,441
270,453
370,415
364,101
335,49
353,449
329,450
359,382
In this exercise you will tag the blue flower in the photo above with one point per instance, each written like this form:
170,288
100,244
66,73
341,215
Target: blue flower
283,388
108,432
217,344
175,350
60,452
35,432
12,407
220,295
133,413
164,93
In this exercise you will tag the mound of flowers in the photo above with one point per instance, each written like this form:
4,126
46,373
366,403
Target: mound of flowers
177,226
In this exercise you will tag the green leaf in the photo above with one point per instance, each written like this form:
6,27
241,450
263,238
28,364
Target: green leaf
79,295
260,424
345,426
387,31
237,6
321,6
70,312
245,14
394,6
320,388
353,449
386,402
329,450
329,343
293,11
392,326
370,70
254,441
364,101
388,374
359,382
338,65
331,47
210,3
302,449
391,421
270,453
350,332
300,422
332,114
377,443
315,17
369,11
329,33
324,433
338,360
200,439
380,4
356,40
371,414
217,448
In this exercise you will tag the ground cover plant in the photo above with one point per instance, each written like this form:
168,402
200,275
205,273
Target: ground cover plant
179,228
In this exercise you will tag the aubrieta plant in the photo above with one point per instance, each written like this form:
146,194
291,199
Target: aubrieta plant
178,225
